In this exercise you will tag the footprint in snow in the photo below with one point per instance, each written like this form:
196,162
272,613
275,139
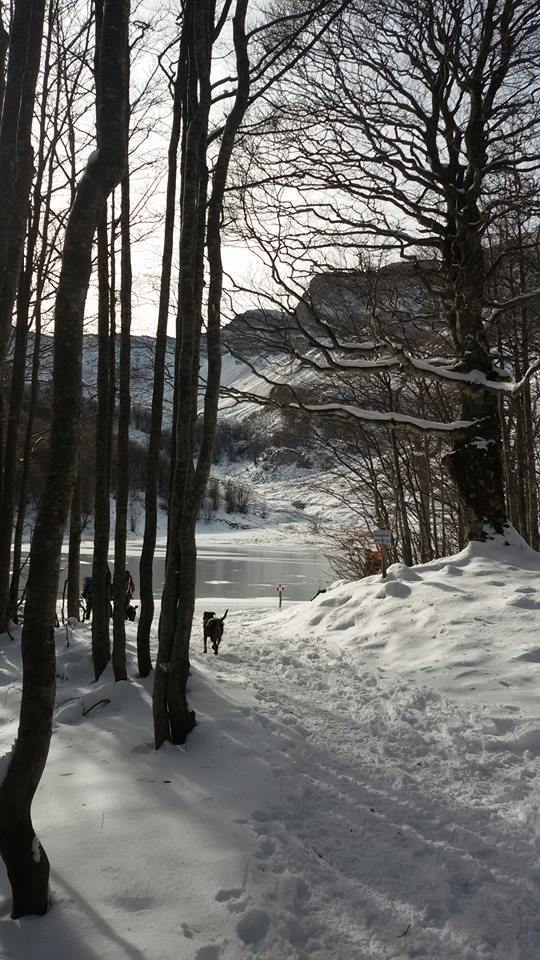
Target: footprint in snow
210,952
266,848
147,747
397,589
253,926
525,602
262,816
223,895
531,656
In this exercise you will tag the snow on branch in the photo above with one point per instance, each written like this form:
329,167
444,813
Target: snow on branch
403,362
390,419
501,306
343,411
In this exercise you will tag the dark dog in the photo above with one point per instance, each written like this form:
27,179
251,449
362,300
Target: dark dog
213,629
131,612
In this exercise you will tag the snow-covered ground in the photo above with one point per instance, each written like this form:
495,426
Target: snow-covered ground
289,506
363,782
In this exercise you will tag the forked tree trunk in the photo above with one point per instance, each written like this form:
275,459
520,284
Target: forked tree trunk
171,712
173,720
25,859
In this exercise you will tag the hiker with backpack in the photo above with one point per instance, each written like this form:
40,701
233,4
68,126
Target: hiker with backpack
88,584
130,593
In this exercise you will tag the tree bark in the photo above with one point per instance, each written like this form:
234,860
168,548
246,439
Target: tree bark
25,859
146,613
25,473
74,552
101,574
4,47
7,499
475,462
172,717
24,294
122,459
16,154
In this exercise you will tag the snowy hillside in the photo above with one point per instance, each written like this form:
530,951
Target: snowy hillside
235,373
363,782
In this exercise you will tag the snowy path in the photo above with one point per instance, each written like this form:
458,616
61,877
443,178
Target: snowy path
394,832
323,808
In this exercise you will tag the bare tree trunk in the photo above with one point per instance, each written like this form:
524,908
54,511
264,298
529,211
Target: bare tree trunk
150,502
4,47
7,501
16,155
172,718
74,552
101,575
41,205
122,460
25,473
401,503
25,859
476,460
531,470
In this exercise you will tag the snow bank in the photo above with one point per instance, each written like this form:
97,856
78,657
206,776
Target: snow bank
466,626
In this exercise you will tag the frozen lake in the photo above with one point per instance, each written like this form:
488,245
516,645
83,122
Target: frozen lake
241,572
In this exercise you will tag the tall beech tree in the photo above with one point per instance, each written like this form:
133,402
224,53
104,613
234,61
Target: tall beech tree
122,468
101,574
212,112
200,227
146,563
25,859
415,118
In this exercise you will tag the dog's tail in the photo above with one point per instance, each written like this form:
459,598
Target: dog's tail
224,615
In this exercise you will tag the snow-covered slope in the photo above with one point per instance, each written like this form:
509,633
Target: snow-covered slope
234,373
363,782
466,626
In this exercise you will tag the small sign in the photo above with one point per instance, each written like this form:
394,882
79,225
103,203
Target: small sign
382,537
